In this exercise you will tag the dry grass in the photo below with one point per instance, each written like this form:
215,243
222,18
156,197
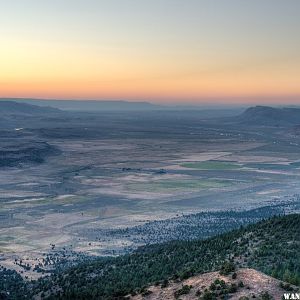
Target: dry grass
255,283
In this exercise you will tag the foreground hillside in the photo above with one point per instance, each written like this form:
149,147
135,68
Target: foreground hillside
242,284
270,246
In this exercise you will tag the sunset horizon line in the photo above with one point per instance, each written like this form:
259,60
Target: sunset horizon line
217,101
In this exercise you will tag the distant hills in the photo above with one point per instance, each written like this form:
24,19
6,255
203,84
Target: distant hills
17,108
207,111
88,105
256,115
270,116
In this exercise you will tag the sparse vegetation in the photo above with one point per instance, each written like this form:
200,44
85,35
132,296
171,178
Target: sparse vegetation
227,267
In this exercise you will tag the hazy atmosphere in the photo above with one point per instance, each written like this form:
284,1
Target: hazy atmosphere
149,150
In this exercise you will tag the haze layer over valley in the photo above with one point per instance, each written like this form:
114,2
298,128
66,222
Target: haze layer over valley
75,184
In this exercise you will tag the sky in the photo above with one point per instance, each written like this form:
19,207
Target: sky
165,51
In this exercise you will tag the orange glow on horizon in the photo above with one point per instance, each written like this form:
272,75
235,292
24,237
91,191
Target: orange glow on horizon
192,54
46,72
154,90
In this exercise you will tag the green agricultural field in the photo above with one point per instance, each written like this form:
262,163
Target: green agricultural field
211,165
177,185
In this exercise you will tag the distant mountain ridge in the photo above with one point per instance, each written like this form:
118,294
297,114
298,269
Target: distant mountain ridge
270,116
17,108
87,105
94,106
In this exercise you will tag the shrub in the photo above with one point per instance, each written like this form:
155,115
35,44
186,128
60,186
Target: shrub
227,268
232,288
165,283
265,296
183,291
